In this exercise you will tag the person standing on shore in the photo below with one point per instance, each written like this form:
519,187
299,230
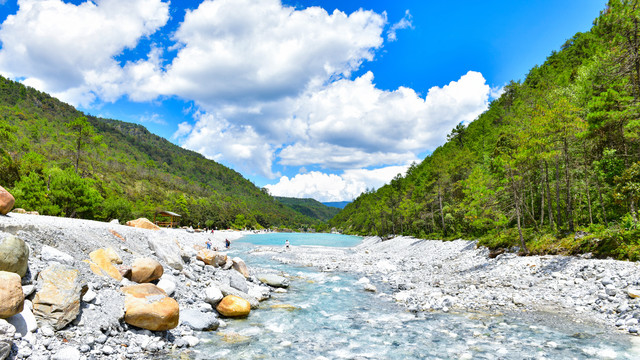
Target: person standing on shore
286,244
227,243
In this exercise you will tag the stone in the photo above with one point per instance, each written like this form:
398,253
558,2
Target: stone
168,284
143,223
274,280
6,201
240,266
5,349
24,322
14,255
633,293
228,290
198,320
370,287
125,271
66,353
213,295
146,270
11,296
57,300
238,282
89,296
210,257
191,340
148,307
104,259
49,253
233,306
168,250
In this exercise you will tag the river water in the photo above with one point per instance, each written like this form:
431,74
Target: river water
328,315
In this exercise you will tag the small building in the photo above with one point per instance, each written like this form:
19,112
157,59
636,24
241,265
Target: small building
166,219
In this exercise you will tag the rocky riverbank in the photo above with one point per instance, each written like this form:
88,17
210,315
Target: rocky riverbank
93,290
457,276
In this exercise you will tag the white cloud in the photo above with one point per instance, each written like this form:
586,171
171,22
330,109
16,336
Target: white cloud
68,50
331,187
405,22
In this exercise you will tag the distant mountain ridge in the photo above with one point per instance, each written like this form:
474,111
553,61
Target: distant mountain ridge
309,207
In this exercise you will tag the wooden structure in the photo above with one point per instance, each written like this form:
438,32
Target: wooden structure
175,219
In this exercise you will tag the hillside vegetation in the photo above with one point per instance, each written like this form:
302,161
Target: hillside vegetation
310,207
553,166
58,161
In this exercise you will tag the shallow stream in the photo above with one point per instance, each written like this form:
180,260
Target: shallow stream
329,315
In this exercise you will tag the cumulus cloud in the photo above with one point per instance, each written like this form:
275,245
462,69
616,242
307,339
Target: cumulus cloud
404,23
68,50
331,187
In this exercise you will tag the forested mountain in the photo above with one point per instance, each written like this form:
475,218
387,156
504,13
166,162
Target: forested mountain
58,161
555,154
310,207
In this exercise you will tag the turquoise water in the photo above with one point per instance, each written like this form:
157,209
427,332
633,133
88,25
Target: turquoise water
327,315
301,239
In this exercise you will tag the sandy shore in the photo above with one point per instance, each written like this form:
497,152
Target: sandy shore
457,276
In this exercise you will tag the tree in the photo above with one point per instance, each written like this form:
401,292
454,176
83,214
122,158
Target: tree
82,134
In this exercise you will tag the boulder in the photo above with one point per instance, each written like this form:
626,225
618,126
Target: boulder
213,295
11,296
148,307
240,266
57,300
233,306
49,253
238,282
211,257
228,290
168,284
198,320
24,322
103,263
168,250
143,223
146,270
6,201
14,255
274,280
5,349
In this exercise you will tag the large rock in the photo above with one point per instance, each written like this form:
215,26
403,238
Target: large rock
57,301
5,349
24,322
148,307
274,280
233,306
11,296
143,223
198,320
240,266
213,295
237,281
104,260
14,255
6,201
49,254
211,257
228,290
146,270
167,250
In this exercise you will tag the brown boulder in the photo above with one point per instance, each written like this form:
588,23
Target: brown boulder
143,223
6,201
233,306
103,263
57,301
148,307
11,296
145,270
211,257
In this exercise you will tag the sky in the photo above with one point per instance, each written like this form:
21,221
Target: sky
308,98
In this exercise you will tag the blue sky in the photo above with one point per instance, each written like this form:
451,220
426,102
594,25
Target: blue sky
314,98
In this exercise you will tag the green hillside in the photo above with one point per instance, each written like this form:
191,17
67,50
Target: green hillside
551,167
58,161
310,207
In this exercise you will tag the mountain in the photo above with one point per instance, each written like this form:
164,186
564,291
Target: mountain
337,204
59,161
551,167
309,207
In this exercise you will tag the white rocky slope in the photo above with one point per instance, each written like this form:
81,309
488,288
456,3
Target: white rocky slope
99,332
456,275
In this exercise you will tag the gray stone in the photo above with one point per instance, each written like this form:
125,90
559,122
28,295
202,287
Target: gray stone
66,353
24,322
14,255
5,349
198,320
84,348
631,322
101,339
237,281
108,350
168,284
52,254
89,296
168,250
47,331
213,295
274,280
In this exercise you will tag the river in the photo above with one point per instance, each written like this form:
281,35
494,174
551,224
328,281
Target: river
329,315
